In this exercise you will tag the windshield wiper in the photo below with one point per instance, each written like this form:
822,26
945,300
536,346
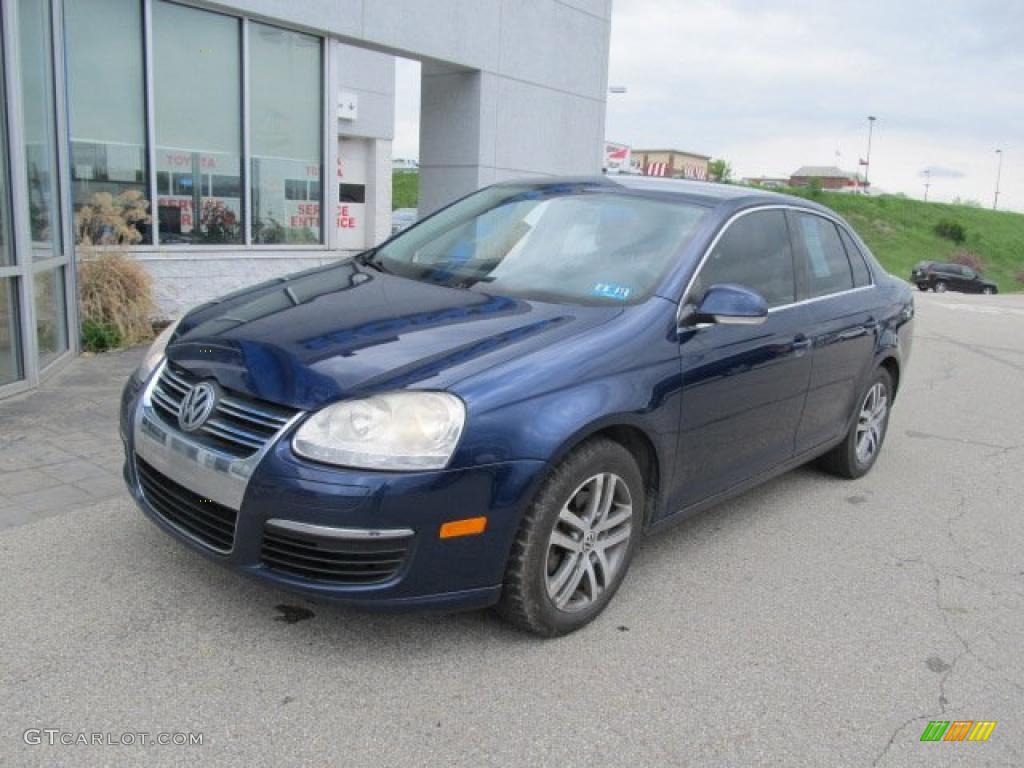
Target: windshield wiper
367,259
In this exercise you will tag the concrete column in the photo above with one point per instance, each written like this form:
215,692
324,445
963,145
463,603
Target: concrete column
457,122
378,193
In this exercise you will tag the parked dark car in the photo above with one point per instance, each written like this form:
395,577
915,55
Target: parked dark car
941,277
496,405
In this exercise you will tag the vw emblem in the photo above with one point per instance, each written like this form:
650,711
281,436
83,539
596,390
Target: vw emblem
197,405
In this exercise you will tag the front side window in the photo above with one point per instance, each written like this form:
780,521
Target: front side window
755,253
570,244
825,264
198,120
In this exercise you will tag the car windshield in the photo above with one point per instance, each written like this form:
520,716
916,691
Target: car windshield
576,243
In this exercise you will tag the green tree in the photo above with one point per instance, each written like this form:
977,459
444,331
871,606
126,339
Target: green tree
720,170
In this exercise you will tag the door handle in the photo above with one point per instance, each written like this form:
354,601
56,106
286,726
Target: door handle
854,333
800,344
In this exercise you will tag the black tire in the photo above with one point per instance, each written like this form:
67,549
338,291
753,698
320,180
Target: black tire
940,286
842,460
922,286
988,291
525,601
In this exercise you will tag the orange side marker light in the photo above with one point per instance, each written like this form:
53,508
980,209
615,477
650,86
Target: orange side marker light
470,526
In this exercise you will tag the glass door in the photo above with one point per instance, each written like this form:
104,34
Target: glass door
35,260
11,368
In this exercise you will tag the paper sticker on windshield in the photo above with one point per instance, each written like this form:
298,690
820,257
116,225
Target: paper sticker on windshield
611,291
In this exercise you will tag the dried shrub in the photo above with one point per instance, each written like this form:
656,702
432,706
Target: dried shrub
116,299
1020,277
968,259
116,293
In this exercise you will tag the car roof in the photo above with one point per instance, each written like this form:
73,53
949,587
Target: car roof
703,193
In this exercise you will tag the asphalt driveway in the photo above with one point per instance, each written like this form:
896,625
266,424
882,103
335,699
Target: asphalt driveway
813,621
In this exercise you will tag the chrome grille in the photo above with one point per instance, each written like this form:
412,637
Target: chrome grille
240,425
211,523
338,561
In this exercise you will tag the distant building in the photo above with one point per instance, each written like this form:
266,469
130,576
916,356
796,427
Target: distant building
829,176
766,182
672,163
405,165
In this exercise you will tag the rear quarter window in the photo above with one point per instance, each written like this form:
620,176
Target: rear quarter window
858,264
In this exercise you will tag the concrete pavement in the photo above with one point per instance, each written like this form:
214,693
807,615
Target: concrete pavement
811,622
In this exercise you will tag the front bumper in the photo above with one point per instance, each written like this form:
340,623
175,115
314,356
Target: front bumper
274,487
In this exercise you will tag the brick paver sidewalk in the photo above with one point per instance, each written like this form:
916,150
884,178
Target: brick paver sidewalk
59,447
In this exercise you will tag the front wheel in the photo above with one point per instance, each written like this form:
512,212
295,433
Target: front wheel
855,456
940,287
576,541
922,286
988,290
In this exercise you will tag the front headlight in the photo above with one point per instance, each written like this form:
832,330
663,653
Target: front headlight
155,355
397,430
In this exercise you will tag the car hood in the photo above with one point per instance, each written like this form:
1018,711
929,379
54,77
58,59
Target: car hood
344,330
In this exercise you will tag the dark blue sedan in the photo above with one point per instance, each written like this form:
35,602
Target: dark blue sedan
495,406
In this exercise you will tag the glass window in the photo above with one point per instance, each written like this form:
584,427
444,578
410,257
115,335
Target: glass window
107,119
351,193
198,122
825,263
565,243
286,130
51,328
861,275
6,234
754,252
10,348
38,127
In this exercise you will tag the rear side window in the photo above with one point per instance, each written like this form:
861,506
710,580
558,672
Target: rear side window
755,253
861,275
824,258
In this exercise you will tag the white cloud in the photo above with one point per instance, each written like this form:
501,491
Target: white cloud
773,87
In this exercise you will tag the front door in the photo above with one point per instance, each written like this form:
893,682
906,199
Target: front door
743,386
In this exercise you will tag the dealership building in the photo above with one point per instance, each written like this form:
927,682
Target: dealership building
256,134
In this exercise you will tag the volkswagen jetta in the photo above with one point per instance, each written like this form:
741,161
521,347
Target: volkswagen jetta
496,405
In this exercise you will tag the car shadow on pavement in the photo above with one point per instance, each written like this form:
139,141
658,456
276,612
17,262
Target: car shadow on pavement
209,592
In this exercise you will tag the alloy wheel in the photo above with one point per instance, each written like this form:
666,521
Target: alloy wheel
871,422
589,542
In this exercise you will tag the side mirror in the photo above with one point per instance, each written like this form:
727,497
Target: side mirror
728,304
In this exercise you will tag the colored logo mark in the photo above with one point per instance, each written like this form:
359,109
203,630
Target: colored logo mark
958,730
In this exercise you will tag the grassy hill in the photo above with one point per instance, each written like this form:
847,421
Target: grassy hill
900,232
405,189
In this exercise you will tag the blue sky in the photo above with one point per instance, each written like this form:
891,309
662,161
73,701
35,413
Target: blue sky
772,86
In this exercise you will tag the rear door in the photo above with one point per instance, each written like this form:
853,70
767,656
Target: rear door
970,283
743,385
835,286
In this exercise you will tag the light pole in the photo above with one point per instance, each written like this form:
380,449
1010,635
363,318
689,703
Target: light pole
999,172
867,160
927,183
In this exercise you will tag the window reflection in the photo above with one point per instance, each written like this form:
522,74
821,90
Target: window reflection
34,41
197,93
103,39
51,329
286,135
